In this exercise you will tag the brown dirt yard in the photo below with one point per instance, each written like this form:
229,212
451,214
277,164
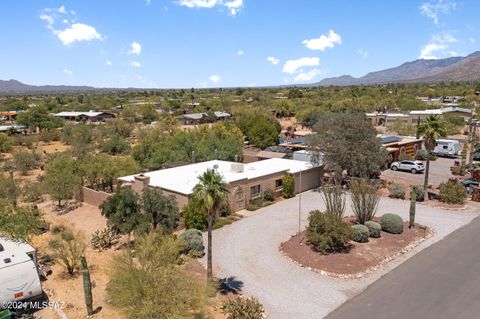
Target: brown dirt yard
359,259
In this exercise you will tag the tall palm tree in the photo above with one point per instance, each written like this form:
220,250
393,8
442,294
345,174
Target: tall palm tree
431,129
211,192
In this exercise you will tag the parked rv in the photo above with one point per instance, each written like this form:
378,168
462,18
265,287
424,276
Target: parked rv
448,148
19,278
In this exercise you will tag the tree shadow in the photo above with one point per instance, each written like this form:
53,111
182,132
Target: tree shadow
230,285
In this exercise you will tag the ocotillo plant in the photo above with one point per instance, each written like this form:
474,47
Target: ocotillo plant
87,287
413,203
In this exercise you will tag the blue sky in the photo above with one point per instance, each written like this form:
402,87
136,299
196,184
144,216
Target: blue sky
212,43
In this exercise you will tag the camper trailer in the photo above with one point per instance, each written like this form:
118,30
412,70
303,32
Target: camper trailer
449,148
19,278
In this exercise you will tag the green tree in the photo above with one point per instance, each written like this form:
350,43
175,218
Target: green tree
20,222
61,179
162,209
260,130
348,142
211,192
115,145
37,117
123,213
431,129
25,161
9,190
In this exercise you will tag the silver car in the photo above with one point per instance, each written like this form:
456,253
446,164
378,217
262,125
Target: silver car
408,165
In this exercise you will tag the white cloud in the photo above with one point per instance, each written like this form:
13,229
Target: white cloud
307,76
135,48
273,60
363,53
73,31
324,41
437,47
292,66
135,64
214,78
233,6
68,73
78,32
240,52
434,9
472,40
108,62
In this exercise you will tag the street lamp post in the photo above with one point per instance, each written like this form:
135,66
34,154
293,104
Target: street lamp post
300,202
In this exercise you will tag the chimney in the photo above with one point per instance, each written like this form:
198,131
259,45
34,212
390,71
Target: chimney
141,182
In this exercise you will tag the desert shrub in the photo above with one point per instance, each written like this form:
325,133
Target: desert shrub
193,243
396,191
288,182
326,233
374,229
20,222
33,192
392,223
419,192
364,200
268,195
421,154
5,143
115,145
360,233
26,161
334,199
48,136
104,239
25,140
149,284
452,193
243,308
67,246
194,217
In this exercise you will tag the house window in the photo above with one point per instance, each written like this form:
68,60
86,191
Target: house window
255,191
278,184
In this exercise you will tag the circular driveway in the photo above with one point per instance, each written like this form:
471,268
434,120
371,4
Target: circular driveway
247,252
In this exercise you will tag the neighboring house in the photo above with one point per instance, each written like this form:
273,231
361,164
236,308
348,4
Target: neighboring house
90,116
293,144
199,118
9,115
400,147
246,181
18,129
413,117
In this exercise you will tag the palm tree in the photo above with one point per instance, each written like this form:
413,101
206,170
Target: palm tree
211,192
431,129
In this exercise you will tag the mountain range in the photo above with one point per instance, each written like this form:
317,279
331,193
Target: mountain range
418,71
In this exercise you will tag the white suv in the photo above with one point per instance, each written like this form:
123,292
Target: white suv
407,165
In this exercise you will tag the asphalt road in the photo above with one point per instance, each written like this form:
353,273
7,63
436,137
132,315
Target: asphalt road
441,282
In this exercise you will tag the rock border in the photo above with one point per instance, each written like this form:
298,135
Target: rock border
358,275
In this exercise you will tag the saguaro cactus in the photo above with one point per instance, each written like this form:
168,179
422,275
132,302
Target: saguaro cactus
413,204
87,287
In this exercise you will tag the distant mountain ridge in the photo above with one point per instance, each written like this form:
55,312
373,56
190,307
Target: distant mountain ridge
17,87
448,69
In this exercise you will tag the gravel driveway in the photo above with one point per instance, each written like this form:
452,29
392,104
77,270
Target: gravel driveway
248,251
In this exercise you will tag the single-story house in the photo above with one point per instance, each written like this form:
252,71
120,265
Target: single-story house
246,181
413,117
18,129
400,147
199,118
90,116
8,115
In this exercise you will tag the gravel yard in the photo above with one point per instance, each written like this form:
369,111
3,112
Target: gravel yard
248,251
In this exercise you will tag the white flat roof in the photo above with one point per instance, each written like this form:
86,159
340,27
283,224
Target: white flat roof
182,179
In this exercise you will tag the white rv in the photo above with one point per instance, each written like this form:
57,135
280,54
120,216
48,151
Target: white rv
19,279
450,148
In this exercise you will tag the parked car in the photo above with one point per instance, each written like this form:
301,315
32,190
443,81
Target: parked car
408,165
469,182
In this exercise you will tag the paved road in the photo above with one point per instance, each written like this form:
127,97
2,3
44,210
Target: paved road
248,251
441,282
